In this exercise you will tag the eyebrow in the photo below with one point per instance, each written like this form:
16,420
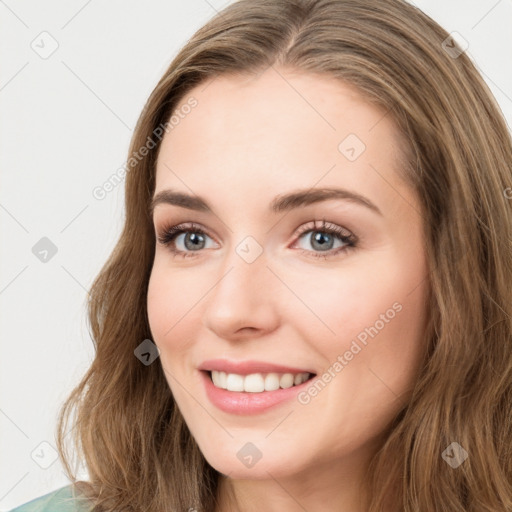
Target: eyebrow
280,203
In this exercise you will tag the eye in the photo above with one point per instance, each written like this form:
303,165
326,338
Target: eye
323,239
194,239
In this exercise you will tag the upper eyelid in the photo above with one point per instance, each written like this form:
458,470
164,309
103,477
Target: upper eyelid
187,226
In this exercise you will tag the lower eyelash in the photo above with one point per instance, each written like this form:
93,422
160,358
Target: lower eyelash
316,254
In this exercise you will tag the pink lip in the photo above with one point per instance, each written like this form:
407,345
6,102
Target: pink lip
248,367
245,403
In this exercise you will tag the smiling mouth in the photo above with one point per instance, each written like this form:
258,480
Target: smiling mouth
257,382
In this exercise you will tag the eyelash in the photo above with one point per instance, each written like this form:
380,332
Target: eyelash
169,234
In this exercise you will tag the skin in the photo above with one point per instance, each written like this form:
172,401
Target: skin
248,140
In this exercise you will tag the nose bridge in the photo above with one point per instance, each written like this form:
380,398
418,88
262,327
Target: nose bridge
242,295
244,271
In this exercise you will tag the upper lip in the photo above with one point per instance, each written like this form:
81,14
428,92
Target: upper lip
248,367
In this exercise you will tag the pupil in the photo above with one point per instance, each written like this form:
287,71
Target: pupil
194,239
320,238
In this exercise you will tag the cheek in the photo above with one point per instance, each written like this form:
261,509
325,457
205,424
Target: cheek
377,312
174,324
374,309
172,307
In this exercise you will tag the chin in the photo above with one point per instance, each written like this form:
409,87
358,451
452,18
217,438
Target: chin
230,461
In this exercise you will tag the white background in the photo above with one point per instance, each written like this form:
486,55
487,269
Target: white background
65,126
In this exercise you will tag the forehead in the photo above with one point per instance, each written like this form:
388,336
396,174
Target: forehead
277,130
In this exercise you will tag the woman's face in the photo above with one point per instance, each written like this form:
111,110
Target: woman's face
265,282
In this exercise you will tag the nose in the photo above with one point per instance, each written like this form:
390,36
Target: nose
243,303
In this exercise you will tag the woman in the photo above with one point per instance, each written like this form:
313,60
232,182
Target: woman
309,307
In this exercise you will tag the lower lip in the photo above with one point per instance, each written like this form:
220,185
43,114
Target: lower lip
243,402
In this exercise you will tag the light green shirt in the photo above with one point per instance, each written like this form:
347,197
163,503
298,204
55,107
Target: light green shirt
60,500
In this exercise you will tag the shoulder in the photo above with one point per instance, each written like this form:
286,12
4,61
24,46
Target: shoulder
64,499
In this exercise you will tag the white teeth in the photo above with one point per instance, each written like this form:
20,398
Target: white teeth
257,382
254,383
271,381
235,382
286,380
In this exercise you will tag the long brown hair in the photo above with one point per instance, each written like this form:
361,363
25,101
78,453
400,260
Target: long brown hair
128,430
